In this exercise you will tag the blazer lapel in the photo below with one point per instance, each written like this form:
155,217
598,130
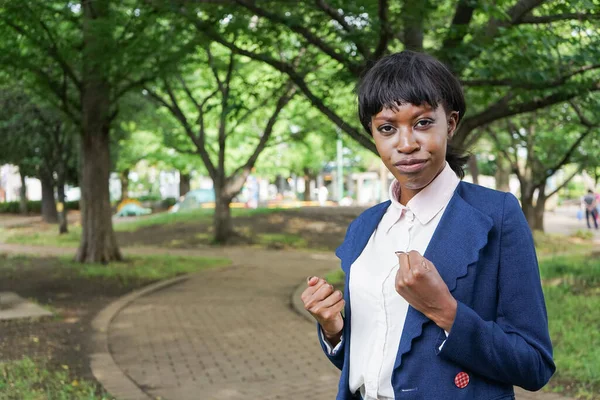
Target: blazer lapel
360,234
461,234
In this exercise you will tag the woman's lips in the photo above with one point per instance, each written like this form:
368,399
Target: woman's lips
410,166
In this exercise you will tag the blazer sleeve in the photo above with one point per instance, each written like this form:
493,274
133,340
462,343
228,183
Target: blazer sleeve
337,357
516,347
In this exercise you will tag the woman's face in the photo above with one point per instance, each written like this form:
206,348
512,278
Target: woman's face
411,141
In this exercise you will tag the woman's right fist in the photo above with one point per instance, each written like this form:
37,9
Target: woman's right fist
325,304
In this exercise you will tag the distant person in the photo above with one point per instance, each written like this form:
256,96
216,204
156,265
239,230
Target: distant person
591,208
253,191
323,195
443,298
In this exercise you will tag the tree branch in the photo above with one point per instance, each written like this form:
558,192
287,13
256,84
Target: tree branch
339,18
64,104
460,24
130,86
175,110
567,157
529,85
290,70
213,68
191,96
582,118
225,89
459,57
502,108
412,17
51,51
281,103
304,32
564,183
522,8
502,148
544,19
249,112
384,29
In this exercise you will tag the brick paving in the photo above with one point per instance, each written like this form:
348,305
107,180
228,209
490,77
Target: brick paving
231,334
227,334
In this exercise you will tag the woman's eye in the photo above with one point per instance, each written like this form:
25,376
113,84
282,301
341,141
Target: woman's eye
424,123
386,129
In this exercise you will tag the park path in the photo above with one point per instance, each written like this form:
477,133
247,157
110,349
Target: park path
227,333
231,333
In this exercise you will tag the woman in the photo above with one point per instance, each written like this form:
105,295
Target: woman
443,298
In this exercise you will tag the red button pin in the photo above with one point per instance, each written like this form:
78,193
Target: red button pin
461,380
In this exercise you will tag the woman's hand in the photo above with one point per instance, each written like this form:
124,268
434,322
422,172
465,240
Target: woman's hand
325,304
421,285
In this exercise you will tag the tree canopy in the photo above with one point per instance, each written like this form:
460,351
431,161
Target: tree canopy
512,56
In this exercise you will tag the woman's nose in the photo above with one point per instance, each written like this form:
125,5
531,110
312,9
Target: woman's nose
407,142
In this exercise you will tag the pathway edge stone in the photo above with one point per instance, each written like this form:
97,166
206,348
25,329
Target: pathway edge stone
103,366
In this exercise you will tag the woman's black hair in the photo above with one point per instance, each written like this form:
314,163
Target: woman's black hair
415,78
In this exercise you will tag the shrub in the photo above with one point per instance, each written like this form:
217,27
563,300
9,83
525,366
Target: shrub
169,202
33,207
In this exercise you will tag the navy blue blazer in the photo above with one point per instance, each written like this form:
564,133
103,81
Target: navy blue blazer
484,251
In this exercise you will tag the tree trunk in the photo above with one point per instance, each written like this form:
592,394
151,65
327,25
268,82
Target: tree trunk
473,168
23,208
527,205
307,181
49,213
98,242
540,209
502,174
124,178
184,183
529,211
222,223
62,207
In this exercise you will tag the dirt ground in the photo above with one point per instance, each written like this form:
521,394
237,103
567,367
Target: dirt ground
317,229
62,340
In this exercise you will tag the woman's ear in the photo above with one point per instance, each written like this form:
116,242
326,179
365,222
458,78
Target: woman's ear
452,123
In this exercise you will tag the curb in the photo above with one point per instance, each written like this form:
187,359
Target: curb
102,364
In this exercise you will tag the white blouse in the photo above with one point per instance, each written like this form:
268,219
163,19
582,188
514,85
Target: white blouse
378,311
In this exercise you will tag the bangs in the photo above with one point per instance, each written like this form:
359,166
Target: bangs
408,77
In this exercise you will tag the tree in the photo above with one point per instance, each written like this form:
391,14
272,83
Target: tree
84,56
144,133
223,108
538,146
513,56
41,145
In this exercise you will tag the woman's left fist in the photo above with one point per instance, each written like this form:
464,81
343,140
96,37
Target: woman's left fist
421,285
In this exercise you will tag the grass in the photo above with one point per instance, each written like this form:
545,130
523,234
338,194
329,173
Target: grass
572,290
553,244
50,237
27,236
182,217
335,277
164,219
155,267
572,318
283,240
27,379
140,268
